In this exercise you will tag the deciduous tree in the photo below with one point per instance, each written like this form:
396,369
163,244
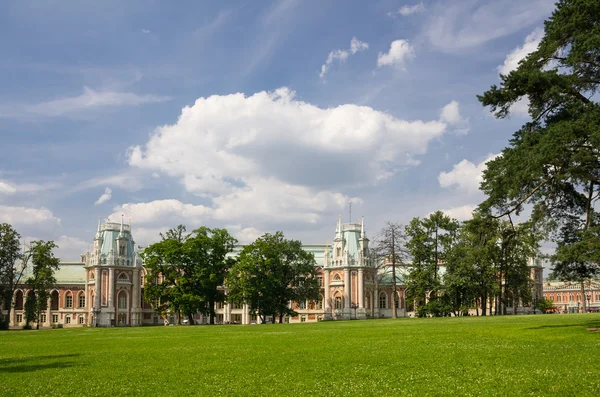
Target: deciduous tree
11,268
41,280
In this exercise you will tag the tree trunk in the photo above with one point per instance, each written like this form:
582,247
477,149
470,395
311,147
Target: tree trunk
394,293
211,311
583,296
484,303
281,319
191,319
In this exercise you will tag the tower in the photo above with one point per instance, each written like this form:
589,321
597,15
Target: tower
113,281
344,272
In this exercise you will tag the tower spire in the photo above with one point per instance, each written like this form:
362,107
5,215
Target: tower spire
338,227
362,227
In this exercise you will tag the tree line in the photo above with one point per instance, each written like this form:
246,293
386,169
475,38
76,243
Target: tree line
187,274
32,266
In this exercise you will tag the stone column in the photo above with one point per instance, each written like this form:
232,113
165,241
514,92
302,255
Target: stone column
361,289
111,288
135,290
98,284
347,289
326,297
246,314
49,311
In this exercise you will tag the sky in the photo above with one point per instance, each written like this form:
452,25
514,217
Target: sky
253,116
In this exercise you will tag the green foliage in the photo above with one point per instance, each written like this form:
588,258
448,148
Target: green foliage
10,269
185,270
270,273
553,161
544,305
492,356
430,243
41,280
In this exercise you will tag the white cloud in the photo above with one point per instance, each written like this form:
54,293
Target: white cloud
342,55
27,188
88,100
70,248
451,115
400,51
413,9
5,188
146,31
462,25
270,159
244,235
127,180
162,211
466,176
107,195
27,216
520,108
462,213
532,41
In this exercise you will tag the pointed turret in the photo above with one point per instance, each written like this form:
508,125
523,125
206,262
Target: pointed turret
362,227
338,228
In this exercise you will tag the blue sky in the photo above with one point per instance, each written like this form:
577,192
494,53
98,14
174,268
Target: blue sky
255,116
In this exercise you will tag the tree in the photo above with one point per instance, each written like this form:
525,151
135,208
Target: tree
390,249
186,270
430,240
553,161
208,251
272,272
41,280
11,269
169,278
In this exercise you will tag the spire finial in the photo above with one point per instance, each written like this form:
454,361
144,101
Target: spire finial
121,232
350,210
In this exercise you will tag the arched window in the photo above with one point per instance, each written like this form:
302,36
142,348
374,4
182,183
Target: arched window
81,299
320,303
54,300
368,300
68,300
92,275
302,305
67,320
122,300
337,277
19,300
123,276
382,300
338,303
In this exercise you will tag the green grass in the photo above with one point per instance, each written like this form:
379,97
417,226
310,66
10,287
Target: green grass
522,355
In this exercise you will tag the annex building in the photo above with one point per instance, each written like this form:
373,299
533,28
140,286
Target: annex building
105,288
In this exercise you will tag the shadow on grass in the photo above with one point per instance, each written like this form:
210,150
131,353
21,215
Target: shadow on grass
35,363
589,324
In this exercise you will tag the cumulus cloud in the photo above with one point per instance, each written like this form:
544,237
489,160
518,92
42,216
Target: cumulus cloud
107,195
463,25
270,158
88,100
27,216
410,10
462,213
465,176
342,55
532,41
400,51
5,188
70,248
451,115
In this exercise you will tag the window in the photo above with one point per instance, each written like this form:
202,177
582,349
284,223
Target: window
81,319
69,300
68,320
320,281
571,298
19,318
337,277
43,318
339,251
54,318
92,275
552,298
81,300
558,298
302,305
320,304
122,301
382,300
338,303
123,276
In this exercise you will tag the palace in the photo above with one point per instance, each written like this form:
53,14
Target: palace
570,297
105,288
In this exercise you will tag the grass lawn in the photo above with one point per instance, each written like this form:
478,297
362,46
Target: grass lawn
522,355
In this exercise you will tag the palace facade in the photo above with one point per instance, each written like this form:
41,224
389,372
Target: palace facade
569,297
105,288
